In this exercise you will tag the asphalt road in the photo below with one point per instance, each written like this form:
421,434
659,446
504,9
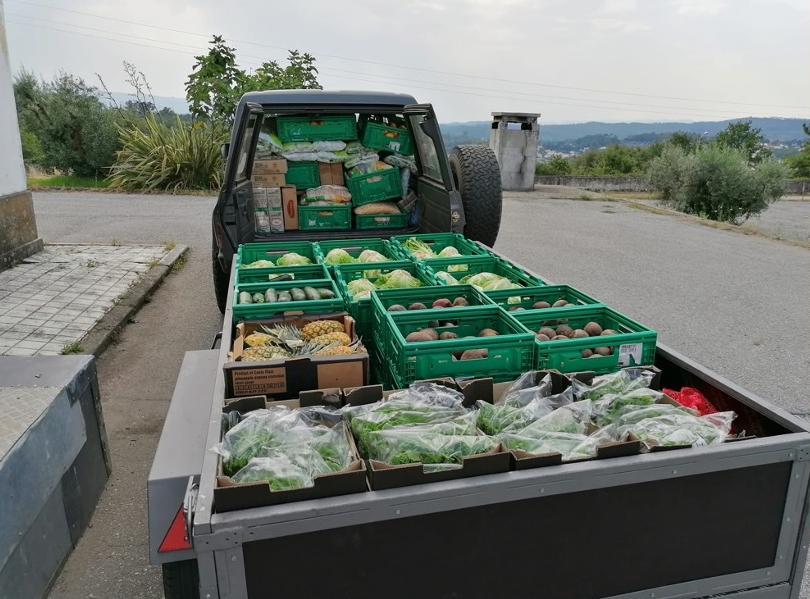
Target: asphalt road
733,302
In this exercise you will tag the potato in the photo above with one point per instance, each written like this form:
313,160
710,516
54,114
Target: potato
474,354
488,333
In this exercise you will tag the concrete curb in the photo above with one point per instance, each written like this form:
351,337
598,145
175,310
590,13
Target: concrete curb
99,338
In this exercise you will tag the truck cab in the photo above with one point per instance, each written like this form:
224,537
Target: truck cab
448,197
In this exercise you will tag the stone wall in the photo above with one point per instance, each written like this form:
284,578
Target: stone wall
792,186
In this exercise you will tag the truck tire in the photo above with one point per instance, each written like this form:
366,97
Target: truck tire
181,580
477,178
220,279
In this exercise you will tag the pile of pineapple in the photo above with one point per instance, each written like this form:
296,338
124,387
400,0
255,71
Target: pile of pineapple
317,338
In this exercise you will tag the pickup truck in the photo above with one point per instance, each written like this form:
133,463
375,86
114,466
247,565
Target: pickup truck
728,520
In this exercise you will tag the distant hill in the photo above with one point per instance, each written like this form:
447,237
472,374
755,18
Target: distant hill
178,105
774,129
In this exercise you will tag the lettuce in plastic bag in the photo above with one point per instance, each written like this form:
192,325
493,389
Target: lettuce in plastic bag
422,445
623,381
663,424
338,256
607,408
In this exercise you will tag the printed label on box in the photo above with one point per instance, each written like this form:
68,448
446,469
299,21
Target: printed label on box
628,351
259,381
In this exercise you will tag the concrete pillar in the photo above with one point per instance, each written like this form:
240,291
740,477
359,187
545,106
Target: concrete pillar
513,137
18,226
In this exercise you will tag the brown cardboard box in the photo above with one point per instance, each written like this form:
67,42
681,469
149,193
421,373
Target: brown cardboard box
284,379
230,495
337,174
269,180
289,203
269,167
325,171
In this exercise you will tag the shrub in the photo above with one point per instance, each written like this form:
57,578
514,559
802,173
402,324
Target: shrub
716,182
172,157
556,166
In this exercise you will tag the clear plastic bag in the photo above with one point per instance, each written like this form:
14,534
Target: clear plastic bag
665,425
607,408
422,445
512,415
328,146
622,381
547,442
268,145
400,161
377,208
573,418
363,161
332,157
301,156
335,194
524,389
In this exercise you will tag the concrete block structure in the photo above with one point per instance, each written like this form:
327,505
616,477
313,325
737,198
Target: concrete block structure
18,227
513,137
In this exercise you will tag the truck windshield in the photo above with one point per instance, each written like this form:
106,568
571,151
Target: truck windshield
428,156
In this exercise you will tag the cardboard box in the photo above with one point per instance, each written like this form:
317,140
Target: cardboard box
275,209
337,174
230,495
269,180
270,166
284,379
331,173
289,202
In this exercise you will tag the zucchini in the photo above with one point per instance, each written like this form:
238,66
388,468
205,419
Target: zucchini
325,293
258,298
284,296
270,296
298,294
312,293
280,278
245,297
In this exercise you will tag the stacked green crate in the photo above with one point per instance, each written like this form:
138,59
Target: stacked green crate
465,266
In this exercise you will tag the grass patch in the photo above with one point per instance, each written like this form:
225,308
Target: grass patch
72,348
67,181
179,263
169,245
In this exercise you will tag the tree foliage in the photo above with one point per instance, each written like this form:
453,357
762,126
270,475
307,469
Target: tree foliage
216,84
743,136
717,182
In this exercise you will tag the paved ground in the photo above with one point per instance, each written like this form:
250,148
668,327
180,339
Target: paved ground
53,298
733,302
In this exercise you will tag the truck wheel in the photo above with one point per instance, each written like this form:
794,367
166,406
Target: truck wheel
220,279
181,580
477,178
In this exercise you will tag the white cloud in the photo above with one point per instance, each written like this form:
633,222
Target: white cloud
620,25
618,6
699,8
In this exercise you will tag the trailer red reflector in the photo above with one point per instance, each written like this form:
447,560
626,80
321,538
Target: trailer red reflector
177,536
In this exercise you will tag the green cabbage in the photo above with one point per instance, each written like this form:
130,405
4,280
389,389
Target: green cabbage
449,252
359,286
397,279
371,256
488,281
338,256
447,278
293,259
259,264
418,248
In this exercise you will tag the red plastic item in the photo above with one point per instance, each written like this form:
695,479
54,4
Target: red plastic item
692,398
177,536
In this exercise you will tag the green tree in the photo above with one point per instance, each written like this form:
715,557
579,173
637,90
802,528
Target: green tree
688,142
556,166
717,182
742,136
799,164
216,82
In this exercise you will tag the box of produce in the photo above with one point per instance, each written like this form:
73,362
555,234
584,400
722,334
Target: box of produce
381,221
418,298
420,435
260,255
351,251
593,338
270,166
485,272
341,127
303,175
541,298
334,217
330,173
268,299
386,133
283,451
472,341
264,274
356,281
283,356
436,245
374,186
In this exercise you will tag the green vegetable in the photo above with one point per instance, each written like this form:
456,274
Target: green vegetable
488,281
608,407
298,294
668,425
423,445
325,293
397,279
449,252
616,383
270,296
446,278
284,296
245,297
259,264
293,259
418,248
371,256
338,256
360,286
311,293
258,298
494,419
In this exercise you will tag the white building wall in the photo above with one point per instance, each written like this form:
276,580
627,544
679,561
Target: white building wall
12,171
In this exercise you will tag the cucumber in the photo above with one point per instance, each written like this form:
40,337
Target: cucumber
298,294
284,296
245,297
270,296
280,278
325,293
312,293
258,298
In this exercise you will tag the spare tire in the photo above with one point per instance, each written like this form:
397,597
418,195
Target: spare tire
477,178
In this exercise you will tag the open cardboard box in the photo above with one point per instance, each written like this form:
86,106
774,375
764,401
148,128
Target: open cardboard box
230,495
288,378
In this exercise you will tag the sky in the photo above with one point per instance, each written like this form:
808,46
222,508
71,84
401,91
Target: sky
569,60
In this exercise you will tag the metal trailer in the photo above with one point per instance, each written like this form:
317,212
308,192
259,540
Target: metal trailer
728,520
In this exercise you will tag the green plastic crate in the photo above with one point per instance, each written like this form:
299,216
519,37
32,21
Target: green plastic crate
310,272
361,309
331,127
633,345
250,252
355,247
524,299
510,354
304,175
265,310
382,299
376,186
381,221
466,265
438,241
325,218
379,136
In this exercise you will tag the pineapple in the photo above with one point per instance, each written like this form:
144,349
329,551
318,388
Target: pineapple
317,328
257,339
264,352
338,350
336,337
283,333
